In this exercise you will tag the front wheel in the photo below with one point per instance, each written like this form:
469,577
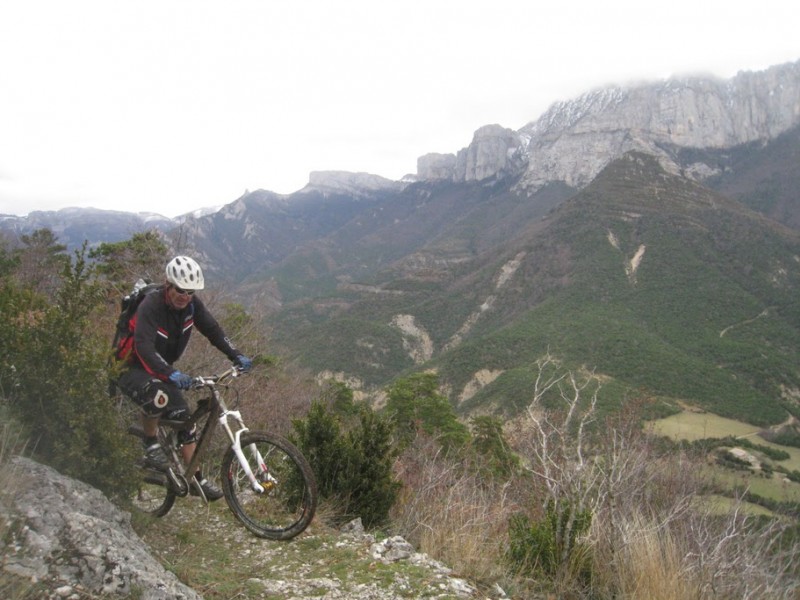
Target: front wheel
288,498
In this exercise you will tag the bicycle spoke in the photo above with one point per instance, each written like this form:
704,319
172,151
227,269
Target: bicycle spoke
152,496
272,491
286,505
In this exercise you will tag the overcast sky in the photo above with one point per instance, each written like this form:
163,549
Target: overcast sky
171,105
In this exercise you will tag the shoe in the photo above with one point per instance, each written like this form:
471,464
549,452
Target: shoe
156,458
211,492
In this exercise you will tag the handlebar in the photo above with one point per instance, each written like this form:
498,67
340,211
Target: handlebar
211,380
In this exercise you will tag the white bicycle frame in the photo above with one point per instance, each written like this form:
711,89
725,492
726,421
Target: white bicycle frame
235,436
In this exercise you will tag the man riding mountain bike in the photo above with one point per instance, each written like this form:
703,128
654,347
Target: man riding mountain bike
161,328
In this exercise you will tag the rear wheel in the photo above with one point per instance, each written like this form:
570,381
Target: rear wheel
286,504
152,496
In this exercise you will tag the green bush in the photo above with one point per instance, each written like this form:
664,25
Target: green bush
415,402
785,437
53,377
547,547
727,459
122,263
793,475
709,444
353,467
490,445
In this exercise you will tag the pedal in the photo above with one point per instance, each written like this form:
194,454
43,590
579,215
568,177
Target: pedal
197,490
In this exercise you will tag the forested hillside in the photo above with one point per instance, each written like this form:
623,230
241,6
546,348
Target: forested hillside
648,278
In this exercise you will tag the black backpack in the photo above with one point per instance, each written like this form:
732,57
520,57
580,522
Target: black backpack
122,345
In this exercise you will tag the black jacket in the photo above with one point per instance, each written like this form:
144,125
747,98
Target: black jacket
161,333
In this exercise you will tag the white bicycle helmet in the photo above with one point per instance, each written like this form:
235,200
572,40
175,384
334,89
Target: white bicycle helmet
185,273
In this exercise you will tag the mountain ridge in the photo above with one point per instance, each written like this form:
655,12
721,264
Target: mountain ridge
480,273
573,140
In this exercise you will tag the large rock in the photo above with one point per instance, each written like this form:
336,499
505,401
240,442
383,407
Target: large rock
67,534
436,166
494,152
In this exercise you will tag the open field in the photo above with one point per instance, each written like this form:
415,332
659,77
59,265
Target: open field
688,425
723,505
768,487
698,425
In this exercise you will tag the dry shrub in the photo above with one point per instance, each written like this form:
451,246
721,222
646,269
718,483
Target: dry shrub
741,556
650,536
10,445
272,404
269,397
650,563
450,513
655,536
702,555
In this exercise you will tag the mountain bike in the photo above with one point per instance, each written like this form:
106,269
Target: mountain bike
267,483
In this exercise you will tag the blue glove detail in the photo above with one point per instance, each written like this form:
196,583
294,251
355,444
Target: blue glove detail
244,363
182,380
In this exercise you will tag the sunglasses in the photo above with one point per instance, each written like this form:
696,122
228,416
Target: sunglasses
183,292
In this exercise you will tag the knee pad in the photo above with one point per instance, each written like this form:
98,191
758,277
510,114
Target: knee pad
155,398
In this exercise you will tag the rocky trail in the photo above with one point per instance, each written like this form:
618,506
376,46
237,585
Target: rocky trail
64,540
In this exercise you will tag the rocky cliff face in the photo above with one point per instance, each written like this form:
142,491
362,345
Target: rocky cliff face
345,182
494,151
574,140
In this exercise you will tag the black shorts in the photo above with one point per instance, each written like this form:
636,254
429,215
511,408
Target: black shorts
154,397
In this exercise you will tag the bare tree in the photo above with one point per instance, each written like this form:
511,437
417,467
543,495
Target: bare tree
652,533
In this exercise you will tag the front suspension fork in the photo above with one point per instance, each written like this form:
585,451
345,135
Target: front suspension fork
236,445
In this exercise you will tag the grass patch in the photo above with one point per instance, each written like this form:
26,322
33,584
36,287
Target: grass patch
768,487
688,425
210,552
723,505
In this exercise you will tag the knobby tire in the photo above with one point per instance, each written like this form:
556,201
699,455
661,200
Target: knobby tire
287,505
152,496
